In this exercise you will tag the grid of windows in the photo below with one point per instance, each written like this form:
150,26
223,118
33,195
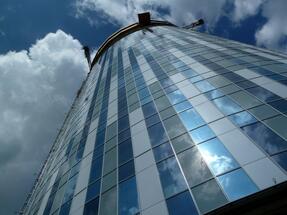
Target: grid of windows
169,121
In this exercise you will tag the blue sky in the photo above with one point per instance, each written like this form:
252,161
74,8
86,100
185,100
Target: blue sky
42,64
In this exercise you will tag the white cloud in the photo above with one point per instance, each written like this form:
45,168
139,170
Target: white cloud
245,8
273,34
37,87
124,12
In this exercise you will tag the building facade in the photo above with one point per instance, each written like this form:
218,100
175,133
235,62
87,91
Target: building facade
169,121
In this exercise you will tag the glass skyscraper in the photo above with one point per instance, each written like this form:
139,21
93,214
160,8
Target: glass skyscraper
170,121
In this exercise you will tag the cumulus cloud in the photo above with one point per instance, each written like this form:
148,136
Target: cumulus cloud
37,88
273,34
245,8
124,12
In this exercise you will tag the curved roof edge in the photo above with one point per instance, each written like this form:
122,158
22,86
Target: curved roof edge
122,33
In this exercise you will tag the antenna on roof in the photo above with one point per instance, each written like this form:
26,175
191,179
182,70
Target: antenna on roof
194,24
88,55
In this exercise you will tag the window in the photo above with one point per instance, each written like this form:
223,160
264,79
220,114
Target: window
281,159
157,134
265,137
152,120
70,188
263,112
191,119
237,184
92,207
181,204
226,105
126,170
213,94
204,86
128,197
171,178
263,94
123,123
208,196
182,142
242,118
245,100
167,113
217,157
194,167
176,97
162,151
109,181
201,134
149,109
110,160
278,124
280,105
93,190
162,103
125,151
109,202
182,106
174,126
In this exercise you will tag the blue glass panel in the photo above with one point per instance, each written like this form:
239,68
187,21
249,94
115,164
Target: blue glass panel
226,105
152,120
280,105
242,118
181,204
171,177
217,157
201,134
128,197
123,123
213,94
204,86
157,134
189,73
163,151
263,94
93,190
195,79
265,137
65,208
125,151
96,169
126,170
149,109
92,207
182,106
176,97
191,119
281,159
69,190
237,184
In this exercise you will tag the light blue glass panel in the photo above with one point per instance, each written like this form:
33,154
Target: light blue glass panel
128,197
204,86
176,97
217,157
237,184
191,119
227,105
182,106
242,118
201,134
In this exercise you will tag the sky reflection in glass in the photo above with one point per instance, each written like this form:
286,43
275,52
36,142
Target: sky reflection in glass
237,184
217,157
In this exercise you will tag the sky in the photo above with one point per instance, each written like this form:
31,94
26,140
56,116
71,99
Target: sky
42,63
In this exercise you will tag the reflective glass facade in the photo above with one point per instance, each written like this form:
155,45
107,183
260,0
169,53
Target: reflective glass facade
169,121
